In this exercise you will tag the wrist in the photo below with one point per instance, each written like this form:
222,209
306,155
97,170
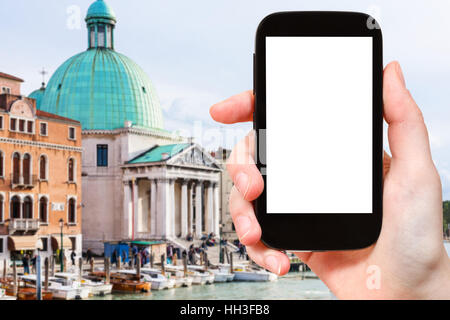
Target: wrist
437,285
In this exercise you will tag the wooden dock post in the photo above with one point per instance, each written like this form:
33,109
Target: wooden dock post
231,262
91,262
38,278
5,268
138,267
163,268
65,263
52,266
119,262
152,259
205,258
107,271
46,267
185,265
226,255
80,266
201,257
15,289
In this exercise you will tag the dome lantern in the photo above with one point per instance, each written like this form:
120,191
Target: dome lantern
100,87
100,21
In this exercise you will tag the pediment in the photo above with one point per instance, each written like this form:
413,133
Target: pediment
195,156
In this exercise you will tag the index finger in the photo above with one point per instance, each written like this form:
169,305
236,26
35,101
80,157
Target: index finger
238,108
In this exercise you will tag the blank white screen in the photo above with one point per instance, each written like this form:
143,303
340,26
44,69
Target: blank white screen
319,124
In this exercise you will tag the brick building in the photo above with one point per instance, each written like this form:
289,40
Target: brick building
40,177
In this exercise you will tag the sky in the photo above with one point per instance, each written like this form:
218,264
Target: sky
199,52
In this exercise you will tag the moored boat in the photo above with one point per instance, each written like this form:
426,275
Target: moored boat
157,280
245,273
59,288
124,282
207,274
96,288
197,277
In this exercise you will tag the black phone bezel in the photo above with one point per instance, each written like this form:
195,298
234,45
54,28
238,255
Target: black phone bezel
318,232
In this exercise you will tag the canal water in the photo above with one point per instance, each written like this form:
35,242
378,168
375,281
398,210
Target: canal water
293,286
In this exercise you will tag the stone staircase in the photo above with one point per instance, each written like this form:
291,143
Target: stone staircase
212,252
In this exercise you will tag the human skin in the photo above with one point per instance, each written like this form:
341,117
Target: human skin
409,258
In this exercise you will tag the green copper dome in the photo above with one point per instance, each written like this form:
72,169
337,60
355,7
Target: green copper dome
38,95
99,9
100,87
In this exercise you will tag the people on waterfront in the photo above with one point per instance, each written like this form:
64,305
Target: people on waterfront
189,237
134,253
124,257
26,263
33,263
408,260
73,256
241,251
191,255
89,255
169,254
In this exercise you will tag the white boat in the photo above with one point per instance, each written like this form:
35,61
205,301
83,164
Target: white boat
61,288
177,275
95,288
158,281
208,275
198,278
245,273
222,275
4,297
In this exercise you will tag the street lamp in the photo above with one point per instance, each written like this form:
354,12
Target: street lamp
61,224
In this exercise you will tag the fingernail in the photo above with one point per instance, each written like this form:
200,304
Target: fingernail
242,183
243,226
399,71
273,264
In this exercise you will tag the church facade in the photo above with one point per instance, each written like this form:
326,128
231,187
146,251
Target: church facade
139,181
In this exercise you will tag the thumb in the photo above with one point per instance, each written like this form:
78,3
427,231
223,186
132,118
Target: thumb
407,133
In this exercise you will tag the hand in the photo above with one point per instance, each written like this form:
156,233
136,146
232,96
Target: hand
409,258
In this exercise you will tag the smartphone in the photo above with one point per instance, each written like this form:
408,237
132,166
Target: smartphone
319,123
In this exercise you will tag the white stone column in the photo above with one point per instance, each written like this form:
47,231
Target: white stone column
184,209
198,209
171,208
161,195
21,208
216,229
135,187
126,228
210,210
153,219
191,209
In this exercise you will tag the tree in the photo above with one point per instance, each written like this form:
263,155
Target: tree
446,211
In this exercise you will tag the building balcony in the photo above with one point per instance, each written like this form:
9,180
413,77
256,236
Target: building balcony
24,182
23,226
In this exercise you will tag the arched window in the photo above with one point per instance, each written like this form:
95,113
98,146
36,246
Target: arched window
2,200
15,207
16,168
28,208
26,169
101,36
43,168
43,206
2,162
71,168
72,211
